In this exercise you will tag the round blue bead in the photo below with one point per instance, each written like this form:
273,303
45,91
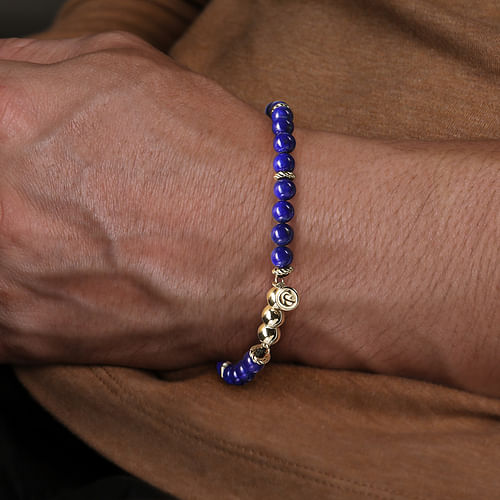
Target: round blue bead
282,211
284,143
242,373
229,375
283,162
248,363
282,234
284,189
282,126
281,256
271,105
233,377
282,112
239,369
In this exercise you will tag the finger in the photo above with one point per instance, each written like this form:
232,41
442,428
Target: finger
52,51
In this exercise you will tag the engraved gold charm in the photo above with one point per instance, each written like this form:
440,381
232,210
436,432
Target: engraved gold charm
287,298
284,298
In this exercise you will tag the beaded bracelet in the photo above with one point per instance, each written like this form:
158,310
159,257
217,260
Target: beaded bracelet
280,298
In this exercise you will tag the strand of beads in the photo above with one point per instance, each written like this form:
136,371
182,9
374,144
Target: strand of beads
284,188
280,298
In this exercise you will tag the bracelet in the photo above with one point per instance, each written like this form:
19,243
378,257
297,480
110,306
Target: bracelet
280,298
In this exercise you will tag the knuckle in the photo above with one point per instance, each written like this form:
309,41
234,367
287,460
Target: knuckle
116,40
136,64
11,48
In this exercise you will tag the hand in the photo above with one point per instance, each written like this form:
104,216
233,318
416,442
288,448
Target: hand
133,207
135,214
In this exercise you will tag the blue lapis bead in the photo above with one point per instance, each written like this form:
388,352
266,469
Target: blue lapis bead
283,162
283,211
271,105
284,143
282,234
282,126
239,369
284,189
248,377
247,362
228,375
281,256
233,377
282,112
251,366
242,372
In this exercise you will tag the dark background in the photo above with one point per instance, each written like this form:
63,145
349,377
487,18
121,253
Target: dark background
22,17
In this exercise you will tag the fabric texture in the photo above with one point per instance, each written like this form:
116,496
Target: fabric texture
380,68
41,460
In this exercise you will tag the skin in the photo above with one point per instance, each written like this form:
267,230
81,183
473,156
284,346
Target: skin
135,219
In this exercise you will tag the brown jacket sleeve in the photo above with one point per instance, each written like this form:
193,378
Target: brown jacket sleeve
160,22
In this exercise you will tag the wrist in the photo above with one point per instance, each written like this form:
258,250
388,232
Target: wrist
397,245
321,223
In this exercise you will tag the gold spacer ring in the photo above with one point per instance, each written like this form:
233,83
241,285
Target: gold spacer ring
279,105
284,174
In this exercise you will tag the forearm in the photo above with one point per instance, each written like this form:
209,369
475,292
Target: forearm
144,237
397,256
159,22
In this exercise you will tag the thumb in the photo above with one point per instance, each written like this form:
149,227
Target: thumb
53,51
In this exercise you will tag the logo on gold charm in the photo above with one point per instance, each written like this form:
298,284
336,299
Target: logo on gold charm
287,298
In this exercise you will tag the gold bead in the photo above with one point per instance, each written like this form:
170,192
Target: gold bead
267,335
285,298
279,105
223,367
271,296
260,354
272,317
